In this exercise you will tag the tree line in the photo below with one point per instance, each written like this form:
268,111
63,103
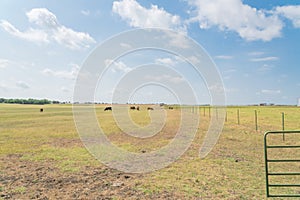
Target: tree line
28,101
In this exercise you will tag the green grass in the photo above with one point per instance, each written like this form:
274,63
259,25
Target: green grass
233,170
20,190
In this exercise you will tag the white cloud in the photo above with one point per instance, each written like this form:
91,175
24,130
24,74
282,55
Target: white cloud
290,12
233,15
262,59
3,63
270,92
72,39
42,17
33,35
177,39
231,90
22,85
193,59
230,70
62,73
117,66
139,16
256,53
165,61
224,57
172,79
125,45
85,12
265,68
49,30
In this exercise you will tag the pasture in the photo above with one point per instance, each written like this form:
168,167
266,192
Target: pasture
42,156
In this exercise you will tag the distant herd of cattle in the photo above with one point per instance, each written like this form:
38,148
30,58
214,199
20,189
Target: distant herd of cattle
133,108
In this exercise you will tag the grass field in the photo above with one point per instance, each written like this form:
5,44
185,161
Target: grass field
42,156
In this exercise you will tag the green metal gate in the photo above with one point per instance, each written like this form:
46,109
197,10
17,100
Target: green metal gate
270,161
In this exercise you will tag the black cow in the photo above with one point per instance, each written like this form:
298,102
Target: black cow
41,110
132,108
150,108
107,108
171,108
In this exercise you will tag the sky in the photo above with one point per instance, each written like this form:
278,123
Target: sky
254,45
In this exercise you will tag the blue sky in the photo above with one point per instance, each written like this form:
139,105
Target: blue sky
255,44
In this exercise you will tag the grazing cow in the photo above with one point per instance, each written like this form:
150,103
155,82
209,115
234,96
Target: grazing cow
138,108
150,108
41,110
107,108
132,108
171,108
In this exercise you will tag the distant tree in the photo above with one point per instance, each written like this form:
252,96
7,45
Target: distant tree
25,101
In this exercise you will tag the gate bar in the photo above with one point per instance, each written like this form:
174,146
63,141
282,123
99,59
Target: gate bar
276,160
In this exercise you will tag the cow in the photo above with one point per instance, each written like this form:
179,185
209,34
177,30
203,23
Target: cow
107,108
132,108
138,108
41,110
150,108
171,108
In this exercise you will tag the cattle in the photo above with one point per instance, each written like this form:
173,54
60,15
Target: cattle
132,108
171,108
107,108
138,108
41,110
150,108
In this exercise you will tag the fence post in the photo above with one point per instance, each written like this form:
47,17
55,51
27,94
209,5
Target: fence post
209,111
282,119
238,116
256,125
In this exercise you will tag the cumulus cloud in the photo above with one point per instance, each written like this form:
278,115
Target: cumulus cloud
290,12
33,35
233,15
117,66
139,16
49,29
3,63
72,74
22,85
165,61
